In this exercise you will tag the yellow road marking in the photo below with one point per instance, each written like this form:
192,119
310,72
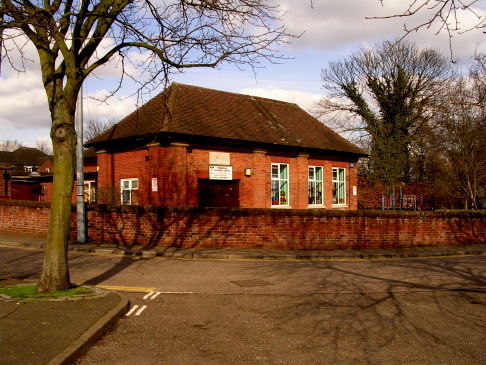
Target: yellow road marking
126,288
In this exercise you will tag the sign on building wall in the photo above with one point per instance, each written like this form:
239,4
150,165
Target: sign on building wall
220,172
155,185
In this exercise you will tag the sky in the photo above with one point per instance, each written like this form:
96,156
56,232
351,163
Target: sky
331,30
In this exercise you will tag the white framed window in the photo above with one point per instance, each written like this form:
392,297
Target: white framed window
315,185
280,184
90,191
338,186
129,189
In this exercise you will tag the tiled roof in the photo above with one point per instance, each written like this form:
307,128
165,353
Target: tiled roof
197,111
25,156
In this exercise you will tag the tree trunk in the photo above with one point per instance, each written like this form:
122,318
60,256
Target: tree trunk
55,273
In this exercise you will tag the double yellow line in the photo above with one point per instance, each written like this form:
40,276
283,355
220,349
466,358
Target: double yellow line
126,288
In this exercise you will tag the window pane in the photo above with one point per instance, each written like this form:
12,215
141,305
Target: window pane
126,197
319,173
312,197
341,175
311,173
284,192
274,171
318,199
134,184
275,194
334,193
340,193
283,171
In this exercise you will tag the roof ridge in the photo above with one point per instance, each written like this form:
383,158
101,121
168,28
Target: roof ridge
254,97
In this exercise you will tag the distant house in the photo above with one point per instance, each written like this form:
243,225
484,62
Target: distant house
192,146
90,172
16,168
46,165
23,159
27,173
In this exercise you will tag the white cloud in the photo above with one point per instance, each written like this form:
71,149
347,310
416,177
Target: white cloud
23,102
113,108
331,25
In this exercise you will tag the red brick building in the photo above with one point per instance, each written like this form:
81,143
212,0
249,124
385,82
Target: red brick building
191,146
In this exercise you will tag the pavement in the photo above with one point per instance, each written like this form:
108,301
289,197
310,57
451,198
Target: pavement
60,331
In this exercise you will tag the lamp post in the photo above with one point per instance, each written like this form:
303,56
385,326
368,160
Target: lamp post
80,204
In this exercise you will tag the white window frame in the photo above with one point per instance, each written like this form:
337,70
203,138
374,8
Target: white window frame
126,188
339,185
280,185
315,191
89,191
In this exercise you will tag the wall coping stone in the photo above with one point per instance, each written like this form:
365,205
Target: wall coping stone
137,209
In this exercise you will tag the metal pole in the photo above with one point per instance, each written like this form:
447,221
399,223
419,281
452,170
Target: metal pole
1,42
80,204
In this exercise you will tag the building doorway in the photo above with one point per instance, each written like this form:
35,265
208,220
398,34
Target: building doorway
218,193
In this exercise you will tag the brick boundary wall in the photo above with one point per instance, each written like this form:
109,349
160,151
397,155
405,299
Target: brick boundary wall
24,217
257,228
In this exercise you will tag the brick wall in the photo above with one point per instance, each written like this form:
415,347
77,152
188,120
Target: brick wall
178,167
24,217
260,228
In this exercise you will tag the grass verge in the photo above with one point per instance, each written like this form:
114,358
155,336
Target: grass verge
29,291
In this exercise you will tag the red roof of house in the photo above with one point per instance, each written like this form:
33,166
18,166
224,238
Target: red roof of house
197,111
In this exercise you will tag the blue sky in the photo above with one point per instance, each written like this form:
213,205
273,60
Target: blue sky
332,29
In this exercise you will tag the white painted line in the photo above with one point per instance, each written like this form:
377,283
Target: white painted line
155,295
140,310
148,295
133,309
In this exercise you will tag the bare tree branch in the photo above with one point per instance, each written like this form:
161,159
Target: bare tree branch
73,38
446,14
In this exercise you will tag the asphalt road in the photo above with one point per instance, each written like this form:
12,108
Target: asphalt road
427,311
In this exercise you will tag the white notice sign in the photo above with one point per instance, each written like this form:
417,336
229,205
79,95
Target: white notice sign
220,172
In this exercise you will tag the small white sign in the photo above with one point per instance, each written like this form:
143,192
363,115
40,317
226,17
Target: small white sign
220,172
155,184
355,190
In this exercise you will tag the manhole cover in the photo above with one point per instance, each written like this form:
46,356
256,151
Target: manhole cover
251,282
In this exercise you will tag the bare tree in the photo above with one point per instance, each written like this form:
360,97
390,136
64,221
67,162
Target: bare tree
447,15
10,145
43,146
457,144
74,38
94,127
382,94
